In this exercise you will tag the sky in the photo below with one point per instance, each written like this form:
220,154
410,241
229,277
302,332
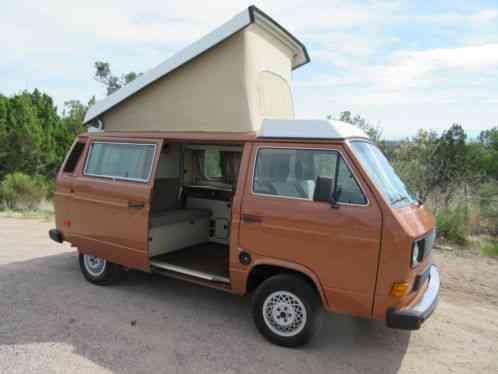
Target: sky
403,65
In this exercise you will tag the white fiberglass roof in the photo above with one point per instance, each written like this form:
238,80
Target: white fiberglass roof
309,129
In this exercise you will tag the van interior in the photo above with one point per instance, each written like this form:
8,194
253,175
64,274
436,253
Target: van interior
189,229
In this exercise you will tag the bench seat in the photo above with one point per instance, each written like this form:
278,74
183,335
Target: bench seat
171,217
175,229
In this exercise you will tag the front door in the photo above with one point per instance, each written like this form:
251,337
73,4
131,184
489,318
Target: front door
280,220
110,200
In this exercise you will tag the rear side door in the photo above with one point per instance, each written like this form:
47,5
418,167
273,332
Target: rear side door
108,202
279,220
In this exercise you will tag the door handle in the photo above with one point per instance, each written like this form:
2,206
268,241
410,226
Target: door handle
136,205
249,218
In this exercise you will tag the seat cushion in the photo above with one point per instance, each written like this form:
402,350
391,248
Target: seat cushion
165,195
170,217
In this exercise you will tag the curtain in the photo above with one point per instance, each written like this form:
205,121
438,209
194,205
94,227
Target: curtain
231,165
198,165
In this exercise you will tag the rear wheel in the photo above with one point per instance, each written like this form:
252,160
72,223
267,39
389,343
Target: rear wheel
285,310
99,271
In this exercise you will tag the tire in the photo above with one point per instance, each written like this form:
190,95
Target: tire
285,310
99,271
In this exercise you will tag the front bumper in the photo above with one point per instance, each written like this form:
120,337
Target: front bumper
413,317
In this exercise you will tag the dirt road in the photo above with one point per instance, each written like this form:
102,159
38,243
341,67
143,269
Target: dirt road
52,321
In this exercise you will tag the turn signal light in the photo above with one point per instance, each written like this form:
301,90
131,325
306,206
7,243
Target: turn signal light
399,289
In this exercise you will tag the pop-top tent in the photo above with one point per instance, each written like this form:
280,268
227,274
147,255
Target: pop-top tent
229,80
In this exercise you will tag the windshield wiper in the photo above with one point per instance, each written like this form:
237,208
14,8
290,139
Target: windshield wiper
399,199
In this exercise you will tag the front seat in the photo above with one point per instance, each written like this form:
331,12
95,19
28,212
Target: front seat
304,184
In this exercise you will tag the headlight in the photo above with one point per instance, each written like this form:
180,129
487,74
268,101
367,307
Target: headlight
415,253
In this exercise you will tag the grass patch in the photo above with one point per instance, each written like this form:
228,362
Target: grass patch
44,211
28,214
489,249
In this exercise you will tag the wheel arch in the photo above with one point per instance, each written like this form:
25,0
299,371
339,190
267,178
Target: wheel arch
263,270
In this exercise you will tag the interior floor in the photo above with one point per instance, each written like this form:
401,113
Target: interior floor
210,258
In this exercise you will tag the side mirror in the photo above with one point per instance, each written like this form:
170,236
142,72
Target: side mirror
324,188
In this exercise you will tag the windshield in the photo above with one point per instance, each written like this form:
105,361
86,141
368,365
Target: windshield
382,174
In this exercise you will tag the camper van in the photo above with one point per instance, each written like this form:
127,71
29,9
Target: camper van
199,171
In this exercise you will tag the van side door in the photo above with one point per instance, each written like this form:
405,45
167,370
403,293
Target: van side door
111,198
280,221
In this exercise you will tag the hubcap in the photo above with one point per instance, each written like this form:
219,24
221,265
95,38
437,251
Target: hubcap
94,265
284,313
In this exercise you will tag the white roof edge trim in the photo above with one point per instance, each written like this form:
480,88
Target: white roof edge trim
298,59
234,25
309,129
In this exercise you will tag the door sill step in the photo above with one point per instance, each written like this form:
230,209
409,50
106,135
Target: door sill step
190,272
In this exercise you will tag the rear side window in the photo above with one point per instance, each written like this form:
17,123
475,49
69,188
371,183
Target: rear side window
121,161
293,172
213,164
74,157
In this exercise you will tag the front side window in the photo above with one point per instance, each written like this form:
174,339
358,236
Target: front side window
293,173
382,174
121,160
347,188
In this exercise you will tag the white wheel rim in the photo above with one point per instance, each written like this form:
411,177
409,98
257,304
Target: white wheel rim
94,265
284,313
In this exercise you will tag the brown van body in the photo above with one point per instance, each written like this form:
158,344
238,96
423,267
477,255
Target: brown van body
352,254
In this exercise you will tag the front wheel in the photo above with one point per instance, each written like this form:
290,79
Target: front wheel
99,271
285,310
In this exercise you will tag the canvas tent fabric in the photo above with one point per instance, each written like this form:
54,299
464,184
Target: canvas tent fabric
230,80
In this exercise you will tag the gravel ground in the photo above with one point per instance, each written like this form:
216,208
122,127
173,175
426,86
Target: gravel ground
53,321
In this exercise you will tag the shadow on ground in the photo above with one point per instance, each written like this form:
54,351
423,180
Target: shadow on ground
149,323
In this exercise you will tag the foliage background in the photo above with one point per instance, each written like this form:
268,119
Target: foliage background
455,176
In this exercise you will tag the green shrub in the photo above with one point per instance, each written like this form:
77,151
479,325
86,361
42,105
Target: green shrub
21,192
453,224
489,206
490,249
46,183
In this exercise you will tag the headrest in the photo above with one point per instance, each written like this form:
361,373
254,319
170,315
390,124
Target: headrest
304,168
280,167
